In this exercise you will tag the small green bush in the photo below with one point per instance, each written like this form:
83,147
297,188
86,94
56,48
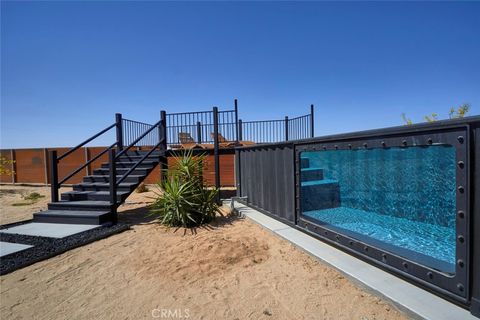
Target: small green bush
34,196
185,201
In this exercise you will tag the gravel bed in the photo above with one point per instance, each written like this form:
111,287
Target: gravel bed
44,247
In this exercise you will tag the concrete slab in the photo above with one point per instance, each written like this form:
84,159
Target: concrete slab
413,300
8,247
51,230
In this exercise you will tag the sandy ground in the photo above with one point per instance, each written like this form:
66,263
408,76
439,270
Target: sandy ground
233,269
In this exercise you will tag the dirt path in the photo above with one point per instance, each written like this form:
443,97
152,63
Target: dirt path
231,270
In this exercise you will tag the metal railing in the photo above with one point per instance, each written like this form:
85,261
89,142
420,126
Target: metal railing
55,160
198,127
268,131
133,129
135,134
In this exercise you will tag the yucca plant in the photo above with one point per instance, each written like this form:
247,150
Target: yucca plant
185,201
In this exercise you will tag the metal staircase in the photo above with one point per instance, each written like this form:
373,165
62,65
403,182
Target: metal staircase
96,198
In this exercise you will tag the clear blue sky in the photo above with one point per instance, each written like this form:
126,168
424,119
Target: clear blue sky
67,67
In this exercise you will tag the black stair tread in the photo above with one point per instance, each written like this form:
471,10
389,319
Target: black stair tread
135,162
97,203
104,184
71,213
119,192
118,176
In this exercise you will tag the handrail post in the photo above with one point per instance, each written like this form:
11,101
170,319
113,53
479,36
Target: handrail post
237,133
112,184
312,122
162,136
286,128
199,132
216,153
54,175
119,126
240,130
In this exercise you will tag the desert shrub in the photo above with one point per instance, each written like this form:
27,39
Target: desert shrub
142,188
185,201
33,196
4,162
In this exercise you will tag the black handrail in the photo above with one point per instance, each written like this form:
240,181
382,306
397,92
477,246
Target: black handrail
85,142
125,175
74,172
54,160
136,140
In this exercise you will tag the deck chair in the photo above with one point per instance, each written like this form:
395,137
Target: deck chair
229,144
187,142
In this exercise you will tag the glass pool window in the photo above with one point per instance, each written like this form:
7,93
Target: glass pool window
400,200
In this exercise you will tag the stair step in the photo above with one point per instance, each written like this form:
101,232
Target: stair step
106,178
141,153
144,165
121,171
93,195
136,158
311,174
86,205
103,186
72,217
320,194
304,163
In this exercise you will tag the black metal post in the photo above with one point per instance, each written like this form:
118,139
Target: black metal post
162,136
119,126
199,132
286,128
215,151
312,122
240,130
113,184
237,134
54,175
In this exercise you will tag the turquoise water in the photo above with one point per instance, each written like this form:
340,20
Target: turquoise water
399,199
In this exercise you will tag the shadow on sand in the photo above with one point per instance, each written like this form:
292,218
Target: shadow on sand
141,216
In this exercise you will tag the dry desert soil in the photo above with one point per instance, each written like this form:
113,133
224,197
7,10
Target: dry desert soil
231,269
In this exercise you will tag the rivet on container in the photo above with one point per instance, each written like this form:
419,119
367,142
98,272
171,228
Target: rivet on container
365,248
461,189
430,274
405,265
460,139
365,144
460,263
324,147
461,239
404,142
461,164
460,287
350,146
384,257
429,141
337,237
383,143
461,214
336,147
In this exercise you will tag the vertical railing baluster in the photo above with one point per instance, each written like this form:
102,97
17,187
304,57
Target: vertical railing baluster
216,153
54,175
112,184
119,131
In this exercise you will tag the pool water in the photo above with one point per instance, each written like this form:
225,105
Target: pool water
401,200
